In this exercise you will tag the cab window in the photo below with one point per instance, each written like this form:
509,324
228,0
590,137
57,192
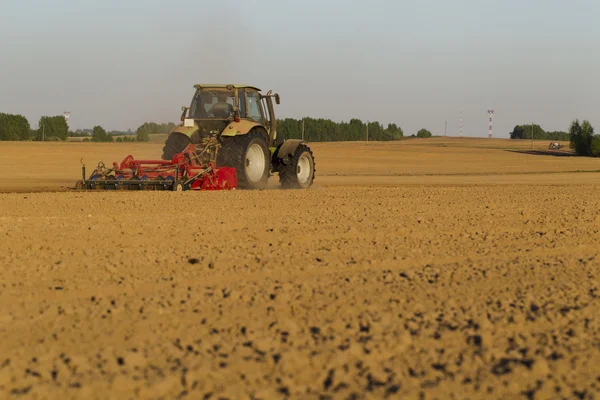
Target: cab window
254,110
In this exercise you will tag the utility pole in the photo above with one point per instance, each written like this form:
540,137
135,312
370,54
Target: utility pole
460,131
43,132
302,128
445,128
532,136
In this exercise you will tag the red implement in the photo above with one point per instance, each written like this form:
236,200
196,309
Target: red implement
185,171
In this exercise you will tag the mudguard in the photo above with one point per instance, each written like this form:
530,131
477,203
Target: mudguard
286,151
239,128
233,129
187,131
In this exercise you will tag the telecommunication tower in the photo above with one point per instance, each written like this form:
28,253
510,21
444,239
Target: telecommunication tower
490,114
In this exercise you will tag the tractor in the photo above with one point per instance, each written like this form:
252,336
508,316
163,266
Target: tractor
227,139
241,121
554,146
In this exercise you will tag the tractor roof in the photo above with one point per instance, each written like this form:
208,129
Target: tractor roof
223,86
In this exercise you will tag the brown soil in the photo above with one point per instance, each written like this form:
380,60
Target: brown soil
464,285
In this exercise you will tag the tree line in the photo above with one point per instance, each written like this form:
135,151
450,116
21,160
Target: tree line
54,128
326,130
15,127
581,135
526,132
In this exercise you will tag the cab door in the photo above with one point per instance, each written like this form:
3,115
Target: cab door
255,109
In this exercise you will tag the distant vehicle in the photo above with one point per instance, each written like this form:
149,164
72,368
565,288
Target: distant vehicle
554,146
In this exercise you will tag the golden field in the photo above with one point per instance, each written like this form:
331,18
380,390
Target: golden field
54,166
410,270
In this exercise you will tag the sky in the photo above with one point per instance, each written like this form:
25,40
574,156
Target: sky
119,63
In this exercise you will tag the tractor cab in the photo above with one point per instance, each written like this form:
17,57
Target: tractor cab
222,107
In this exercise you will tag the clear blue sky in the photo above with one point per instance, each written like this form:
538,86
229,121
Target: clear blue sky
118,63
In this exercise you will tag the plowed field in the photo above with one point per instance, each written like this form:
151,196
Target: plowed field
418,271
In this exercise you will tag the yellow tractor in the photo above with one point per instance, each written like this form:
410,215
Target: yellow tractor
242,121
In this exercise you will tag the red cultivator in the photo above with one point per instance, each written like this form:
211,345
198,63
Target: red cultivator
188,170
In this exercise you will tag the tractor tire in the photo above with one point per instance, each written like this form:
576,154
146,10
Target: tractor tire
299,173
250,156
176,142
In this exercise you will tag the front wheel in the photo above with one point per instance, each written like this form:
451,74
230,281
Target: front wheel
299,173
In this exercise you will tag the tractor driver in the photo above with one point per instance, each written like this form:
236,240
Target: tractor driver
222,109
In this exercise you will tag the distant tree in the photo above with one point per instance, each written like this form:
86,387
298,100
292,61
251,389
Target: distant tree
577,141
52,127
587,131
525,132
393,132
595,146
144,131
100,135
143,136
424,133
14,127
581,138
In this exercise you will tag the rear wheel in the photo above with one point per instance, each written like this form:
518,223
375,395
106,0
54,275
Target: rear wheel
299,173
175,143
250,157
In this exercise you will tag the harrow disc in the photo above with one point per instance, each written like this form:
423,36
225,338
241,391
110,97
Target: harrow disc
109,186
